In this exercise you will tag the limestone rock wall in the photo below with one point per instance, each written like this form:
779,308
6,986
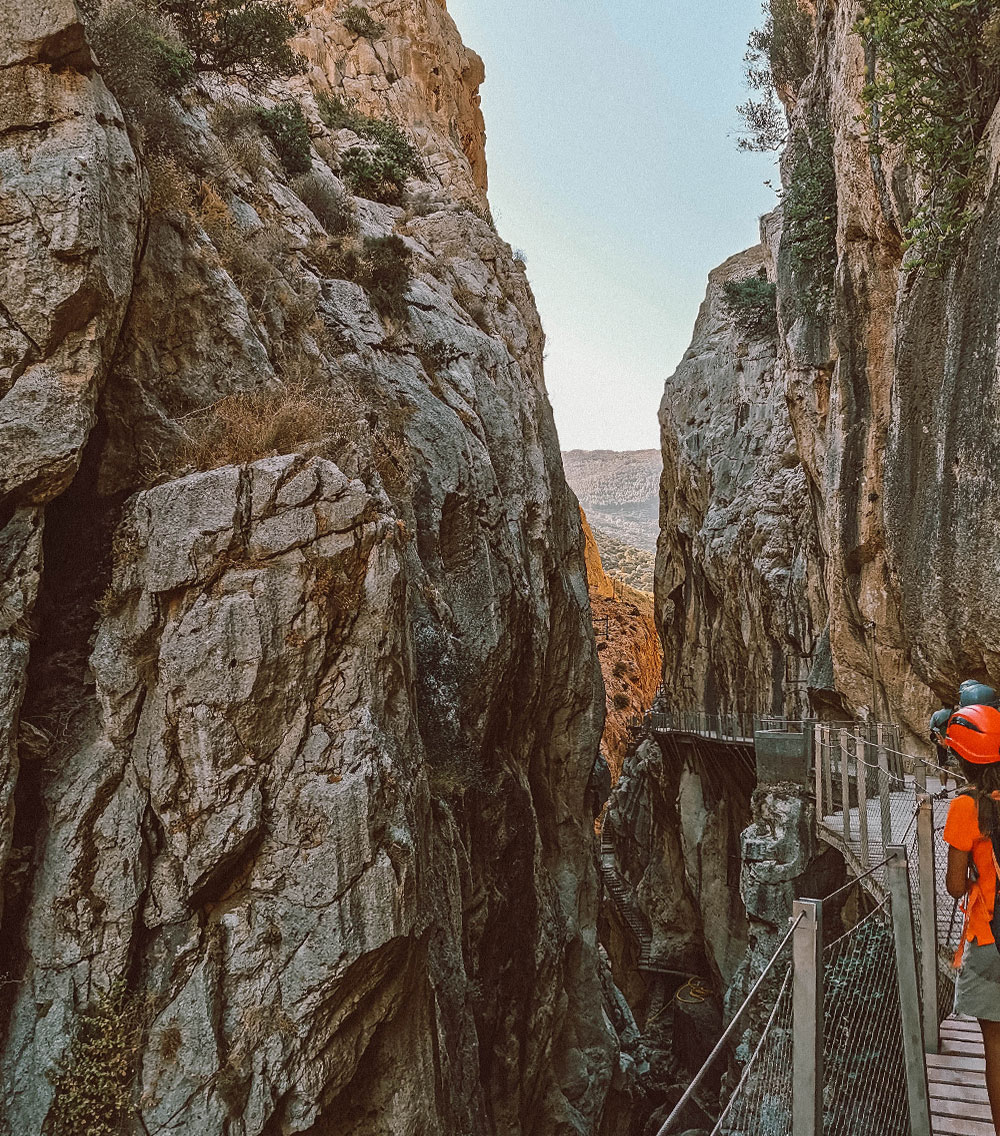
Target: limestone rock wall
675,818
69,222
737,594
304,738
882,383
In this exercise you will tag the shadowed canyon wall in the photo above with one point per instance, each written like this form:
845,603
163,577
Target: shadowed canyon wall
294,743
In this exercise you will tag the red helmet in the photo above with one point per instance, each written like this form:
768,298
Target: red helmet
974,733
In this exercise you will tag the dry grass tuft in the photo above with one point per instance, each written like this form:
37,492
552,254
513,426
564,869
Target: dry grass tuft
253,259
171,193
330,206
256,424
235,124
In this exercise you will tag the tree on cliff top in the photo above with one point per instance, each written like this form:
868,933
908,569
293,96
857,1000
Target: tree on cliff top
779,57
247,39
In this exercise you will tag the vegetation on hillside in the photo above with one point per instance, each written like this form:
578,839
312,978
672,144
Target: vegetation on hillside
150,53
931,89
248,39
286,126
631,565
379,169
93,1083
752,305
809,235
779,56
357,19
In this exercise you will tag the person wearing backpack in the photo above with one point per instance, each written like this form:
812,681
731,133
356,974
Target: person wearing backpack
972,833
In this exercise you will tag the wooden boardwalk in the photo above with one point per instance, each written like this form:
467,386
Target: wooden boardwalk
955,1075
902,806
959,1104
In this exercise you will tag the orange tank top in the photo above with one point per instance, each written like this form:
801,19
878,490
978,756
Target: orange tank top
961,831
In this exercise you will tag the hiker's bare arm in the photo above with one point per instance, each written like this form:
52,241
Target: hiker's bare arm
957,879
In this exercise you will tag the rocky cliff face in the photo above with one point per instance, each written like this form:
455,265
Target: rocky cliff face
881,386
736,574
300,692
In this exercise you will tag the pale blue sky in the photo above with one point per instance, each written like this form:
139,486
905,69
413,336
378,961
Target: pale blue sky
613,164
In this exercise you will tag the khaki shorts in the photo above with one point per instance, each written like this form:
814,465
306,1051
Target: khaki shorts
977,989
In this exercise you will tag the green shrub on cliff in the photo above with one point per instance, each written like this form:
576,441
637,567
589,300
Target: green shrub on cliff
779,56
287,128
809,204
357,19
93,1083
248,39
752,304
385,274
932,86
144,61
381,265
378,171
150,50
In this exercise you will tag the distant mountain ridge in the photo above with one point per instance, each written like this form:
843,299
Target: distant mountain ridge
619,491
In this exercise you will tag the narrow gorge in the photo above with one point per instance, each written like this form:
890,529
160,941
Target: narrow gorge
336,797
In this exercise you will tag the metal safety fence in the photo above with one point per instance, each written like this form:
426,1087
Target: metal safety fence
864,1092
761,1102
841,1051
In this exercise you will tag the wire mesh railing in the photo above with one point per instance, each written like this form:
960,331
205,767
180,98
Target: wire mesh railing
761,1102
864,1092
756,991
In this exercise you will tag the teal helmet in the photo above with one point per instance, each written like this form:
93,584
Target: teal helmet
939,722
976,694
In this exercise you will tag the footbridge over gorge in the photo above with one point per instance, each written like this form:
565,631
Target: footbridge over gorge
853,1034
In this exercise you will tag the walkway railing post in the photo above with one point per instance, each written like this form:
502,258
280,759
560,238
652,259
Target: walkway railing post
845,783
928,918
860,764
816,750
827,766
807,1019
883,794
909,991
920,773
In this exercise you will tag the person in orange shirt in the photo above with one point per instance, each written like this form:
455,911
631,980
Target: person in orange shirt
973,735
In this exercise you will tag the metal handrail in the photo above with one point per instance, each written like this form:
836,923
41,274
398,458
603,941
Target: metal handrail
724,727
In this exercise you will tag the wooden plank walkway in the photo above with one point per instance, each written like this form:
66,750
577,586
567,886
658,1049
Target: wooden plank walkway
959,1104
955,1076
902,805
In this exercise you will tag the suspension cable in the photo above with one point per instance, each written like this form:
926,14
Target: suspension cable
728,1032
858,879
753,1057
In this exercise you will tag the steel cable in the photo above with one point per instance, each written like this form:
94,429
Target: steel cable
779,1006
729,1030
